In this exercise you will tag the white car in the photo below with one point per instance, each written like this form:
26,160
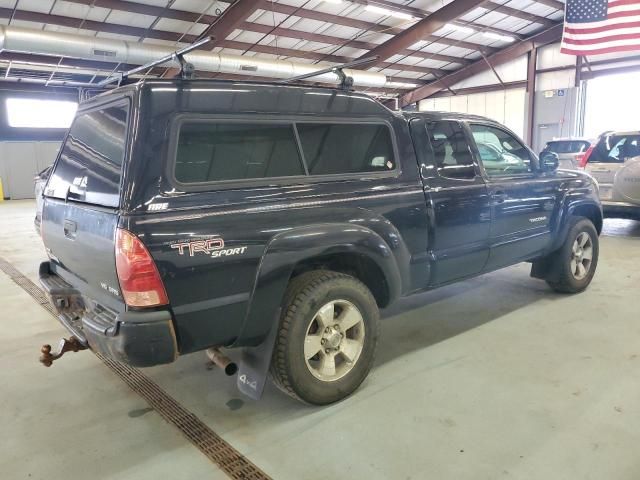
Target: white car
570,151
614,161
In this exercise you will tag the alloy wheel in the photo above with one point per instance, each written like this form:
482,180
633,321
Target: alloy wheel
334,340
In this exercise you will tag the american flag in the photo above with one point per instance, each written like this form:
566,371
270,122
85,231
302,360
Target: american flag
594,27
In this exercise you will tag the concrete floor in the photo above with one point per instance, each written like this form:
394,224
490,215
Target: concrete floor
496,377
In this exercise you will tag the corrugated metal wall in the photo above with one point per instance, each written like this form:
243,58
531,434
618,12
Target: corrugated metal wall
505,106
20,161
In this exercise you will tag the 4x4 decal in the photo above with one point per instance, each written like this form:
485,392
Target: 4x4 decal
214,247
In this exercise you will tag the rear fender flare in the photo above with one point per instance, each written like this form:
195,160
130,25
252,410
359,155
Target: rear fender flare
288,249
569,208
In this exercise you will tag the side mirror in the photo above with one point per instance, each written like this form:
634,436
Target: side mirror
549,161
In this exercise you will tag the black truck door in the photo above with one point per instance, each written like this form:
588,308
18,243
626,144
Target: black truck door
523,203
457,200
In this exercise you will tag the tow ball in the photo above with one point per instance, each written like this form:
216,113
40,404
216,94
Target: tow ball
72,345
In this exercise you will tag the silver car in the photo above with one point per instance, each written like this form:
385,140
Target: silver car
614,161
570,151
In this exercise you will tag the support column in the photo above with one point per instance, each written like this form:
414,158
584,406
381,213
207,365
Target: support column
531,91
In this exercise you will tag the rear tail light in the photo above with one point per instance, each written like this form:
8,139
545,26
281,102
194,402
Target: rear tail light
139,279
583,159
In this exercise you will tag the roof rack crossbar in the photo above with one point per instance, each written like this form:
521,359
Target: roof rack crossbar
346,82
176,56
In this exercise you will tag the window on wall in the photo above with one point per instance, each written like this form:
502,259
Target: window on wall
36,113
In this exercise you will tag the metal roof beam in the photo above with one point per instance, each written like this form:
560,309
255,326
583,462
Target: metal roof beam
553,4
267,5
151,10
420,30
488,5
345,42
550,35
73,22
231,18
362,25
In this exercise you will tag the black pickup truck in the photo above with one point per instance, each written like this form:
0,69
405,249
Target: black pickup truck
186,215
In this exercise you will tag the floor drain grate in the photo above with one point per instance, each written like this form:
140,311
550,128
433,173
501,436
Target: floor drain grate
214,447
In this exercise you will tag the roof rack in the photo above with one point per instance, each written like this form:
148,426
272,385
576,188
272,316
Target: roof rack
346,82
186,68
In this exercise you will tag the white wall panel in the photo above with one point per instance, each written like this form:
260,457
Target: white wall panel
506,106
459,103
555,80
477,104
513,71
515,110
549,56
494,106
427,105
443,104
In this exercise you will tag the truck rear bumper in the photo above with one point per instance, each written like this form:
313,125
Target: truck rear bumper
137,338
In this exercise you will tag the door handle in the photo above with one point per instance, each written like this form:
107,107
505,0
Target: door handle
499,196
70,228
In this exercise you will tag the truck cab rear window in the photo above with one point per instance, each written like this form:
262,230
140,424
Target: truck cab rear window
210,152
89,168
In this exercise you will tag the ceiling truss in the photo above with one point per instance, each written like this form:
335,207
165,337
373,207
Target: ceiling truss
415,45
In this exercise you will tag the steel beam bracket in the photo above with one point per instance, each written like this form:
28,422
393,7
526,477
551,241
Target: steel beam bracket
72,345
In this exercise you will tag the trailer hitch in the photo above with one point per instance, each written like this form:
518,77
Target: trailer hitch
72,345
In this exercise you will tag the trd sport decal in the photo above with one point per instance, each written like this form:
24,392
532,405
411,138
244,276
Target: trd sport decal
210,246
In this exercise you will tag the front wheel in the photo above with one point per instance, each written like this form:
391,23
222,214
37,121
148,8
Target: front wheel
327,337
577,259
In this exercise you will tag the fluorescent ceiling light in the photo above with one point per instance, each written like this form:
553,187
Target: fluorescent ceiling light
34,113
386,11
497,36
401,85
332,1
460,28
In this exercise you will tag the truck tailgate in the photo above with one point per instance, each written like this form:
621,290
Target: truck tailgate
82,201
80,243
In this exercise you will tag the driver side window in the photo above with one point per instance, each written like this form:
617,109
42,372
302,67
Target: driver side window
501,153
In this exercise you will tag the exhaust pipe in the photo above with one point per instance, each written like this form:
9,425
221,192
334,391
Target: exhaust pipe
219,359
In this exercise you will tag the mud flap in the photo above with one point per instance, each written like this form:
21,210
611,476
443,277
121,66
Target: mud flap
546,268
255,362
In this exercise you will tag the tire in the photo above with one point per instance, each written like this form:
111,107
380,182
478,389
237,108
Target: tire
570,278
312,302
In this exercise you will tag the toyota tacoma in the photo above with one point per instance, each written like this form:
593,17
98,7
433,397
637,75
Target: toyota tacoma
191,215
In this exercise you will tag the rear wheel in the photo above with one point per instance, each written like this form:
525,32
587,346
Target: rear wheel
327,338
577,258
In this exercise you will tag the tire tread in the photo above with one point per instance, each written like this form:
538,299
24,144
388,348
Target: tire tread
297,293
